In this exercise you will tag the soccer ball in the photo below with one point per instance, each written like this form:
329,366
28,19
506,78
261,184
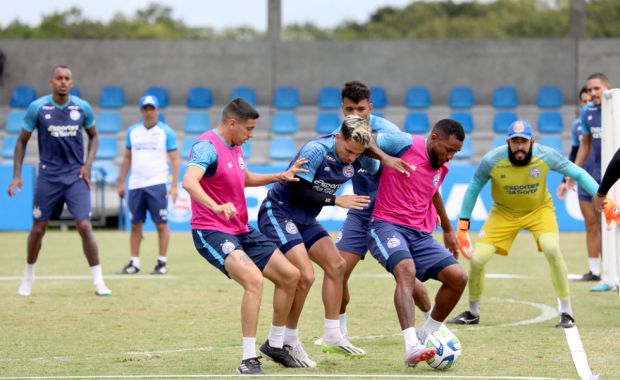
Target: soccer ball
447,346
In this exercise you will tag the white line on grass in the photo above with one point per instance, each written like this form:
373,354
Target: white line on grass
285,376
149,353
86,277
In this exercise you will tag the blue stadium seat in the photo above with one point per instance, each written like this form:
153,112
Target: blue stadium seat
328,98
549,97
467,151
550,122
22,96
505,97
161,93
75,91
502,121
247,149
417,122
418,97
8,146
108,148
105,171
327,122
286,98
499,141
112,97
466,120
199,98
246,93
109,122
282,149
461,97
378,97
196,122
15,121
186,148
284,123
554,142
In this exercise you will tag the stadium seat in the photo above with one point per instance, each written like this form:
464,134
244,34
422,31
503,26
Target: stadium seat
502,121
416,122
505,97
186,148
466,120
75,91
112,97
109,122
161,93
286,98
284,123
461,97
554,142
549,97
467,151
328,98
196,122
499,141
246,93
108,148
14,121
418,97
105,171
247,149
22,96
199,98
327,122
8,146
550,122
282,149
378,97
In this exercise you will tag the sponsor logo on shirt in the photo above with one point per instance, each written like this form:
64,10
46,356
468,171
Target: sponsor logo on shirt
329,157
325,187
73,107
63,130
47,108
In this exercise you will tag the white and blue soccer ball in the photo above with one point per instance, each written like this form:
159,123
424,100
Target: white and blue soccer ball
447,346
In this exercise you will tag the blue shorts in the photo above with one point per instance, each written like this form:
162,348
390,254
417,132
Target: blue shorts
594,169
391,243
353,236
283,231
50,197
214,246
151,198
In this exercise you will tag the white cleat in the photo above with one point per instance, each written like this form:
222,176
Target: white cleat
25,288
102,291
418,354
343,347
299,354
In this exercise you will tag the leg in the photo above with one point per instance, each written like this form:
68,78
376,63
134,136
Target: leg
453,279
421,298
135,238
324,253
404,273
89,244
351,260
592,223
163,233
299,258
35,238
285,277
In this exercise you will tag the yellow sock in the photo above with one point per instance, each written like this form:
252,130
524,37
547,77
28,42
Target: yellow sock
481,255
550,244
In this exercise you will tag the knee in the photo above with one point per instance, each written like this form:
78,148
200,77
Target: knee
459,280
292,279
337,267
84,227
254,284
38,230
405,275
306,279
161,227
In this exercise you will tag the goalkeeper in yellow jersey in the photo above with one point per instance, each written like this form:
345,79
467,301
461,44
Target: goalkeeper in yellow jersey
518,174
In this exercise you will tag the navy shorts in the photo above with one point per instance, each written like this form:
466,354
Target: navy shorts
151,198
214,246
50,197
594,169
353,236
284,232
391,243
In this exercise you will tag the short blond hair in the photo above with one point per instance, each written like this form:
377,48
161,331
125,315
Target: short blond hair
357,129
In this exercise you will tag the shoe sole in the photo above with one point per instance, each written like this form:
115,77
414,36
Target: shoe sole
463,322
341,350
425,356
300,365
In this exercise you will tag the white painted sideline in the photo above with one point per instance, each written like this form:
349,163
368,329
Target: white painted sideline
88,277
285,376
579,354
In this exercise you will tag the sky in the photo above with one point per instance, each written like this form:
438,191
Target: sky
217,14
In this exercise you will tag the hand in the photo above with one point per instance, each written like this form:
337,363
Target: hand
121,189
570,184
561,191
600,202
357,202
227,209
462,235
15,183
289,174
173,193
612,213
397,164
451,243
85,174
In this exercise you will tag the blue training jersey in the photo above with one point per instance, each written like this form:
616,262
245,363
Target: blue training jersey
576,133
326,173
591,124
60,136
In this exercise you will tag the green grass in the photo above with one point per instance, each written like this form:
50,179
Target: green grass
187,323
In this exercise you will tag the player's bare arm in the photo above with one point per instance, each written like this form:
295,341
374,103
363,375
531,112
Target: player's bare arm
125,165
175,163
93,144
18,160
191,184
289,175
449,237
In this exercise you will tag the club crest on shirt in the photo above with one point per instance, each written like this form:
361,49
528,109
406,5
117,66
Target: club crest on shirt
348,171
436,179
48,116
230,165
393,242
291,228
36,212
228,247
74,115
535,172
241,163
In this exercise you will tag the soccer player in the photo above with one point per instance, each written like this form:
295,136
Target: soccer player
518,174
288,217
611,175
64,175
150,144
215,179
402,224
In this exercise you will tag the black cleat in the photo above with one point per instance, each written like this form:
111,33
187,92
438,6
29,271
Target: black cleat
280,356
251,366
566,321
130,269
590,277
160,268
465,318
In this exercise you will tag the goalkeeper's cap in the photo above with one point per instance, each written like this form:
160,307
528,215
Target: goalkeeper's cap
149,100
520,128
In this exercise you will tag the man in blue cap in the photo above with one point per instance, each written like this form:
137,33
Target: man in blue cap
150,144
518,174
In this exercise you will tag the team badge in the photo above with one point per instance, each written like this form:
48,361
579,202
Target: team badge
228,247
230,165
291,228
339,237
535,172
393,242
326,169
436,179
348,171
519,127
241,163
36,212
74,115
48,116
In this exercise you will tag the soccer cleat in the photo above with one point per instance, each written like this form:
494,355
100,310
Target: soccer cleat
418,354
280,356
602,287
25,288
160,268
590,277
343,347
299,354
251,366
566,321
465,318
130,269
102,291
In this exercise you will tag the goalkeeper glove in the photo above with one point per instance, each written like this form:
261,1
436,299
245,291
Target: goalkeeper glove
462,235
612,213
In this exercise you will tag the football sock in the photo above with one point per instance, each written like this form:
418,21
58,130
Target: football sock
135,261
291,337
429,327
595,265
481,256
163,259
427,314
565,307
342,318
474,307
332,331
276,336
249,348
411,340
550,244
29,271
95,271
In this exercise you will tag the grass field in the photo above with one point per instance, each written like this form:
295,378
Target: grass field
187,323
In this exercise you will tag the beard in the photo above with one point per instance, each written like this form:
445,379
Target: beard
516,162
433,160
